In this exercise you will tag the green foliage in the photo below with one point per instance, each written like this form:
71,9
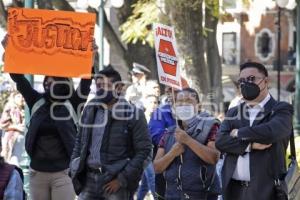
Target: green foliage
138,26
146,12
214,7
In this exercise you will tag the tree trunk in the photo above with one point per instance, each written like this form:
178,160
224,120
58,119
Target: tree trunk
213,60
138,52
3,14
187,17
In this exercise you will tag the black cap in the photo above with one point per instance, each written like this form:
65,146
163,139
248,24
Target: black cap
139,69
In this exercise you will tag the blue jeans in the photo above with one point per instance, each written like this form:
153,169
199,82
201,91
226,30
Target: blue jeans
219,167
147,183
93,190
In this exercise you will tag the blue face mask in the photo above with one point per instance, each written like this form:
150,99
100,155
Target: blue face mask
104,96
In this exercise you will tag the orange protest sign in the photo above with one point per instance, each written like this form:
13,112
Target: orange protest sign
54,43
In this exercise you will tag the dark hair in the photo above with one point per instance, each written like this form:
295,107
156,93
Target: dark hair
191,91
260,67
61,79
110,72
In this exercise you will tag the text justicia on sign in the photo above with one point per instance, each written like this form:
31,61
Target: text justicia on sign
63,34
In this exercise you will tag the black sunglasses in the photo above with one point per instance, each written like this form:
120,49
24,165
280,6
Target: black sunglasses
249,79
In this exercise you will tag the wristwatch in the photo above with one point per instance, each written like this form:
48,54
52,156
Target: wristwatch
234,133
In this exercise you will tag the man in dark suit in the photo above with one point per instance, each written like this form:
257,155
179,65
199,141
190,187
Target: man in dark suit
254,136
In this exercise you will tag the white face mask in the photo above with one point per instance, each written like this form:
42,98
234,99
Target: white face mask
185,112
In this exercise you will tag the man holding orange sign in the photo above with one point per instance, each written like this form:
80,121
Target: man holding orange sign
58,45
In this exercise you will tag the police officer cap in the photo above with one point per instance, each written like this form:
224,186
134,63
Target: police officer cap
139,69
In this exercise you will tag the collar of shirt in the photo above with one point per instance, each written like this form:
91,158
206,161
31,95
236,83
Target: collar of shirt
253,111
261,104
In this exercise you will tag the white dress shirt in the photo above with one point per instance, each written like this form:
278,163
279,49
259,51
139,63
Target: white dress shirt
242,169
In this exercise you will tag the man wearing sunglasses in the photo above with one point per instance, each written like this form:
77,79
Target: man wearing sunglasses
254,136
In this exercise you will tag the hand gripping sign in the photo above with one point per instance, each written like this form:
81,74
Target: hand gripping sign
166,56
54,43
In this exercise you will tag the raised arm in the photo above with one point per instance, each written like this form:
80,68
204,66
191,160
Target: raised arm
81,94
23,86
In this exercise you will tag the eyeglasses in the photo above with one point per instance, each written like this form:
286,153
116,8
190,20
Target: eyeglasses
249,79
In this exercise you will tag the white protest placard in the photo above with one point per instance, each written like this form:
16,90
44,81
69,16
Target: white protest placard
167,56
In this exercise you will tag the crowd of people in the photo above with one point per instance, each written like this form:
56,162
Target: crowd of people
124,146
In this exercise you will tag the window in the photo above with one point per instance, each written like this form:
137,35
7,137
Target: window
229,48
230,4
264,44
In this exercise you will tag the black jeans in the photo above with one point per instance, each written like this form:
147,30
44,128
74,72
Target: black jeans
93,190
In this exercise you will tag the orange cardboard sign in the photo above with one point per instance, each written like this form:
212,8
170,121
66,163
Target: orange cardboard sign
53,43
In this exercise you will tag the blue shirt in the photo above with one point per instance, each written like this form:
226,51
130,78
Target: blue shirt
14,188
161,119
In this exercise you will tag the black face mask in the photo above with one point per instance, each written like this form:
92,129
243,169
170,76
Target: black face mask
250,91
105,96
60,91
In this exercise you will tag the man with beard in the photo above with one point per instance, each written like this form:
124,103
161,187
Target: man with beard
112,144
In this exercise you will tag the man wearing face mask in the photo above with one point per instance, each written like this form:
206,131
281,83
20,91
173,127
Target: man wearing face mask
186,154
254,136
112,144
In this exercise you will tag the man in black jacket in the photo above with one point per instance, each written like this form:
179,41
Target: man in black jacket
51,133
112,144
254,136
